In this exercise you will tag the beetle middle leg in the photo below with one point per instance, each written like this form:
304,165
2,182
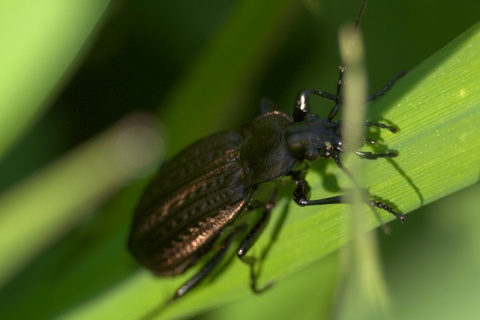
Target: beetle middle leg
373,156
381,125
301,195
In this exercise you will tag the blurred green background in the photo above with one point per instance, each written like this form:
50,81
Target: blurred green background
142,55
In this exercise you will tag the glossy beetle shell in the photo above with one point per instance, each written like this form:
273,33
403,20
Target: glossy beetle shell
187,205
203,189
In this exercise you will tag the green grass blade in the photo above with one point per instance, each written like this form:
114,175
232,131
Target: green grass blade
39,42
76,181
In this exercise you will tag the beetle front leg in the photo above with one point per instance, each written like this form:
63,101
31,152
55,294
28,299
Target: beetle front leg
381,125
250,240
302,103
387,87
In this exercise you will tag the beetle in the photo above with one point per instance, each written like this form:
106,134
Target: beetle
191,206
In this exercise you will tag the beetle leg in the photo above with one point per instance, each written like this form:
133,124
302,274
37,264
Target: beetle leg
250,240
381,92
302,188
302,103
373,156
301,197
195,280
381,125
387,87
338,97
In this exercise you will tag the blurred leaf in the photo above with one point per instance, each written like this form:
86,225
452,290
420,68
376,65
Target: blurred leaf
40,41
210,94
56,195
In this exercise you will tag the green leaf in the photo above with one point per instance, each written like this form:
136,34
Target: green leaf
40,41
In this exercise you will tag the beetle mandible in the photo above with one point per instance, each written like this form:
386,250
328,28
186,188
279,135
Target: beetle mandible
193,201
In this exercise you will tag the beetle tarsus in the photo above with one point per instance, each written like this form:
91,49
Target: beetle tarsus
381,125
251,261
374,156
387,208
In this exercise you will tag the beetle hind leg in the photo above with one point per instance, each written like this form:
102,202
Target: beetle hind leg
246,244
251,262
205,271
250,240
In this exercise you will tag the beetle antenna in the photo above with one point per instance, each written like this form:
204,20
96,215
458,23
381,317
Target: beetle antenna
338,97
356,26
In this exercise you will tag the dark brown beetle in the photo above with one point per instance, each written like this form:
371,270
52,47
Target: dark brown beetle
194,200
201,191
